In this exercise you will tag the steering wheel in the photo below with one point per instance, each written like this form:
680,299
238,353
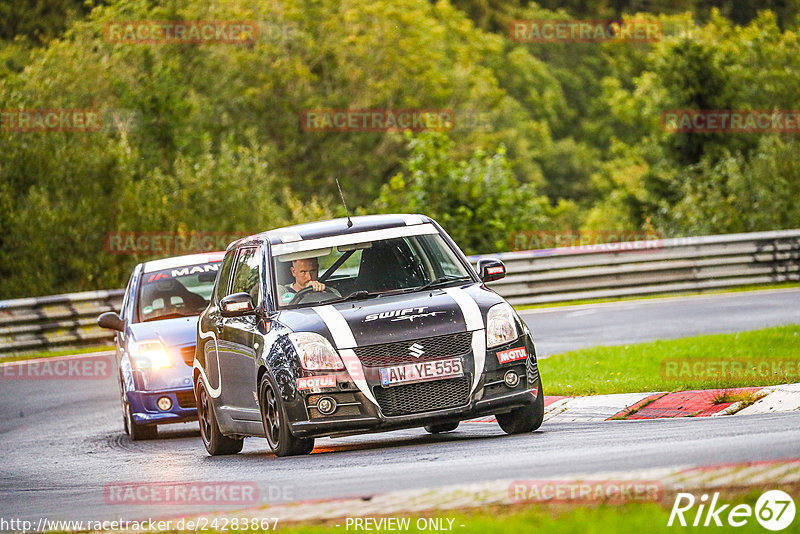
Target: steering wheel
303,293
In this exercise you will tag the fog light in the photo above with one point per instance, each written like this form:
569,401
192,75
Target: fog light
326,405
511,379
164,404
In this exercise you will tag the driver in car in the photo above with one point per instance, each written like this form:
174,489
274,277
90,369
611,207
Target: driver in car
305,273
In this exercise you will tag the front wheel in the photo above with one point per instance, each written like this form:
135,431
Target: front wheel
276,425
215,441
441,427
136,431
525,419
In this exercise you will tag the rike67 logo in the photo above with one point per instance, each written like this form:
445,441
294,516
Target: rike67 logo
774,510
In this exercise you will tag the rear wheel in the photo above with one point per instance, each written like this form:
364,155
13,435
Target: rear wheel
215,442
441,427
525,419
276,424
136,431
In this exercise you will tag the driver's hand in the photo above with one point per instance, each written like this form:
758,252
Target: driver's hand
316,284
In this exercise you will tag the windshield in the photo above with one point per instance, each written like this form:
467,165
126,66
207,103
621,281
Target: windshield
176,292
366,269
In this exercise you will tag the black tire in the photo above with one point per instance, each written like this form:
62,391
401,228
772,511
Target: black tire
215,442
525,419
276,424
124,405
135,431
441,427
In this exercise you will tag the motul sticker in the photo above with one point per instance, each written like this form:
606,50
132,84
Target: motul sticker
495,270
512,355
315,382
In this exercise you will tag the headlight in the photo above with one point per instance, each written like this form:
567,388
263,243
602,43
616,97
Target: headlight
315,352
501,326
150,355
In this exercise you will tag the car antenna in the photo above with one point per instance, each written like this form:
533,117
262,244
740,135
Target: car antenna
349,222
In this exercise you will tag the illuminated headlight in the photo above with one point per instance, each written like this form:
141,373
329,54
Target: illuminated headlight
315,352
150,355
501,326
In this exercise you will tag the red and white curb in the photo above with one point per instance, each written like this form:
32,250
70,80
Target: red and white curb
660,405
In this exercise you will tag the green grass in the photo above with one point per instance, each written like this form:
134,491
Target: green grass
566,519
738,289
643,366
53,353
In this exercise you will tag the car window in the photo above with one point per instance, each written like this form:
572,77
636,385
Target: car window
246,277
224,275
123,313
182,291
374,266
349,269
442,259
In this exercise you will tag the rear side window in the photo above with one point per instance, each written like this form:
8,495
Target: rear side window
224,275
246,277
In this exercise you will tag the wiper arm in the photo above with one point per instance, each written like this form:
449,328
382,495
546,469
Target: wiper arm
441,281
352,296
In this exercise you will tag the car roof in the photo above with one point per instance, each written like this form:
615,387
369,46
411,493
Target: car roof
181,261
332,227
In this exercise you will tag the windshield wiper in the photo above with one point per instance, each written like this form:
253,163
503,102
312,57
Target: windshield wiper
352,296
442,281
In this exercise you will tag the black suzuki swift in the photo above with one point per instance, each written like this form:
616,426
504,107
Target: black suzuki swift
350,326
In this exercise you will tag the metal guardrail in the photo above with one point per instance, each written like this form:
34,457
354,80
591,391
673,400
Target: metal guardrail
534,277
649,267
56,321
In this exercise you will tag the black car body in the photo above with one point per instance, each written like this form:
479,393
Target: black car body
417,339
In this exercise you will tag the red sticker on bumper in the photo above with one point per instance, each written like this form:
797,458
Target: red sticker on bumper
314,382
512,355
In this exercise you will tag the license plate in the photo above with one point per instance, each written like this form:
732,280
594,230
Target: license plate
422,371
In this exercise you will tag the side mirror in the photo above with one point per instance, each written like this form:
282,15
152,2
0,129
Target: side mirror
111,321
491,269
236,305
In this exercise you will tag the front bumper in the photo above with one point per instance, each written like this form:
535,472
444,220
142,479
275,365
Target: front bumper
146,411
380,423
490,397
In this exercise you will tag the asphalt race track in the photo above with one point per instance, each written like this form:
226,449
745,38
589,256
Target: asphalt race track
558,330
61,442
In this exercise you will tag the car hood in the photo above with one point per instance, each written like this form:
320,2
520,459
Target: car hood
175,332
396,317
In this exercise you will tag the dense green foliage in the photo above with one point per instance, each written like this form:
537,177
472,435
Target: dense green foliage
546,136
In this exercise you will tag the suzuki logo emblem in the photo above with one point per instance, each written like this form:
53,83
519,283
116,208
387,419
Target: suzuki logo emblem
415,350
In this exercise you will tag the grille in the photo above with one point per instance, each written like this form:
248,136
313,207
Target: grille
186,399
187,353
423,396
397,352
